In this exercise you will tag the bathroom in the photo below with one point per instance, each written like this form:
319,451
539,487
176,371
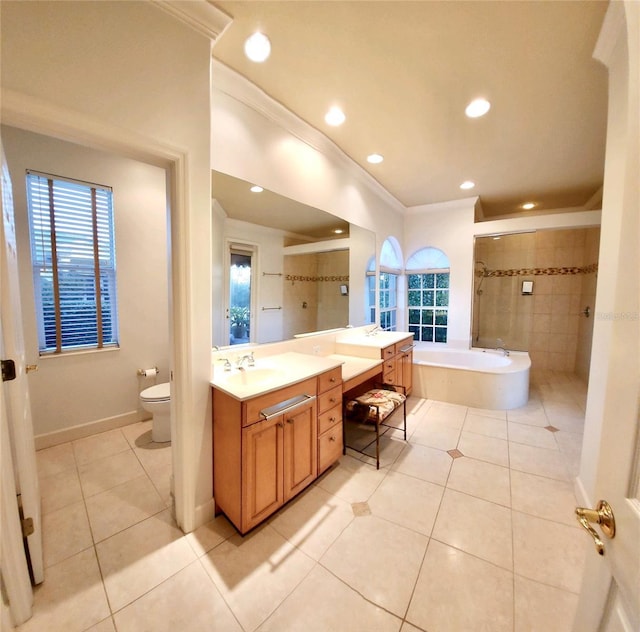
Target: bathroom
354,202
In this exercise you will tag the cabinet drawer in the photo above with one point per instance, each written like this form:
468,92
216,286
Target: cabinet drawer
330,379
389,377
252,407
388,352
329,447
329,419
330,399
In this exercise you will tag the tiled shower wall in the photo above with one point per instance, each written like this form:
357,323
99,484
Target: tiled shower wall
312,299
549,323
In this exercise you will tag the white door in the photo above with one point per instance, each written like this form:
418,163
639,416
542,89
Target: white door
610,469
17,402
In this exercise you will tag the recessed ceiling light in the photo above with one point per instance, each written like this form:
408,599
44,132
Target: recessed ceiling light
528,206
338,231
467,184
496,238
335,116
257,47
256,189
477,107
375,159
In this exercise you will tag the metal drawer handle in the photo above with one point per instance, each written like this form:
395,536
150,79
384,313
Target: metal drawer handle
286,406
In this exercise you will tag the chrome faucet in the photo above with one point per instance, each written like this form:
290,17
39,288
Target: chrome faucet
248,357
372,330
227,364
505,352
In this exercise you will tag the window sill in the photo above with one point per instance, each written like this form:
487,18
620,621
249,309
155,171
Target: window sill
79,352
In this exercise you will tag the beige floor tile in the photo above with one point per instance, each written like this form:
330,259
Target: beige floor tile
539,461
107,625
366,551
543,497
407,501
436,435
153,455
484,448
487,426
457,592
72,597
532,435
481,479
450,415
352,480
160,476
345,609
55,460
540,608
60,490
255,573
98,446
313,521
423,462
103,474
475,526
488,412
533,414
209,535
123,506
65,532
391,445
186,601
138,559
138,434
549,552
407,627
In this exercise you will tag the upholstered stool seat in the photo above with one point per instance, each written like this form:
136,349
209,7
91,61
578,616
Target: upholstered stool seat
374,407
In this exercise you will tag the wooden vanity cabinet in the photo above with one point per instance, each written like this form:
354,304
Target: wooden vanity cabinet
397,364
259,464
329,418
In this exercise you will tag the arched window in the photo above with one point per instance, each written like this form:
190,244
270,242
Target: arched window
390,269
428,294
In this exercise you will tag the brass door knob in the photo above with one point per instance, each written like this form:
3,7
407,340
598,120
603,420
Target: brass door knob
602,515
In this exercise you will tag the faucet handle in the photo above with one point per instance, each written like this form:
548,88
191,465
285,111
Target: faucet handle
252,360
227,364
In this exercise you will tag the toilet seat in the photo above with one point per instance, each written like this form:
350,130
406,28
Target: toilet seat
157,393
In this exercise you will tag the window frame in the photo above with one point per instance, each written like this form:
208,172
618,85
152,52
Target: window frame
428,311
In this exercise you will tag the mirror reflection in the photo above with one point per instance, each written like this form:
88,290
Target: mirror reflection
290,268
531,291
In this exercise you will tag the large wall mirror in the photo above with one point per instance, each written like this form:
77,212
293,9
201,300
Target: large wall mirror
535,292
306,272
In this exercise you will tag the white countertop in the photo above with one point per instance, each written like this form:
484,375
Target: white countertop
271,373
360,344
353,366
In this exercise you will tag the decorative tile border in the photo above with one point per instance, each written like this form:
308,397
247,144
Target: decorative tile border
590,269
316,279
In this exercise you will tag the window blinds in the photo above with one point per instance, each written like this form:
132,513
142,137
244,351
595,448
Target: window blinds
73,258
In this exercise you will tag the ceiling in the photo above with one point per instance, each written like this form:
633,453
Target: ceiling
403,73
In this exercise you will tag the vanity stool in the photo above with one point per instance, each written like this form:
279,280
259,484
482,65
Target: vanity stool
375,407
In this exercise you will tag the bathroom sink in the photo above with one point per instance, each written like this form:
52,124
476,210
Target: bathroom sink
253,376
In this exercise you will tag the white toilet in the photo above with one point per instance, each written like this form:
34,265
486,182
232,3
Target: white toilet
157,400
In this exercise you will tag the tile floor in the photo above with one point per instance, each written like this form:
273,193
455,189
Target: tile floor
432,541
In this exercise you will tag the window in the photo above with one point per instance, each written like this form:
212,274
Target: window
73,260
428,295
388,300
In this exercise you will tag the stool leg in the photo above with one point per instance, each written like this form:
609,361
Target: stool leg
404,414
377,438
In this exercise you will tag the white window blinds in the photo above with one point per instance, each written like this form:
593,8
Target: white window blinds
73,258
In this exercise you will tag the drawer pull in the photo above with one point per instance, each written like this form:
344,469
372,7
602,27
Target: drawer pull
332,438
332,379
332,400
286,406
332,419
289,421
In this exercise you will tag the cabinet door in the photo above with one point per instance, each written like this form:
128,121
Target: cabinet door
300,449
262,461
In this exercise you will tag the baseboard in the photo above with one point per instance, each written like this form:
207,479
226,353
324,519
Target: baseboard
204,513
85,430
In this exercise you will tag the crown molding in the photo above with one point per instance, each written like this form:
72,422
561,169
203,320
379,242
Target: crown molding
200,15
450,205
237,87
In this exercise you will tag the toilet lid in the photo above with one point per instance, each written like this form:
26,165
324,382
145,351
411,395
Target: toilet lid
157,393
